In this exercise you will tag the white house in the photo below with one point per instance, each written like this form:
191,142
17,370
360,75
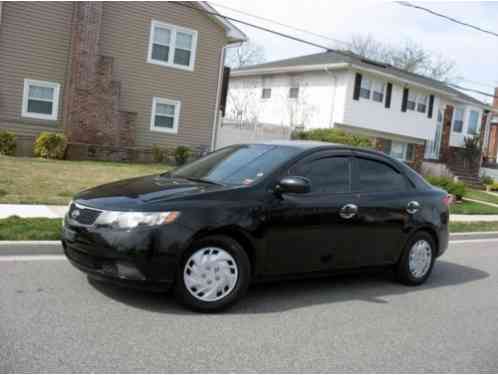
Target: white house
404,112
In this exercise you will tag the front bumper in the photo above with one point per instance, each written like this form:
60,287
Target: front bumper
142,258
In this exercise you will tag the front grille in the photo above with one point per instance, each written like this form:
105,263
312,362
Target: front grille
83,215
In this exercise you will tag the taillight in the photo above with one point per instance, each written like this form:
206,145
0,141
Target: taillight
447,200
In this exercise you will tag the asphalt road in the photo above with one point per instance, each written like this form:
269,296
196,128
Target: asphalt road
52,319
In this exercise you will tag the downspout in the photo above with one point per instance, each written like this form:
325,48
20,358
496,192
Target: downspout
334,89
216,117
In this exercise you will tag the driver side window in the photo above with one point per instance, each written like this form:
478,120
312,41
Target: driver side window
327,175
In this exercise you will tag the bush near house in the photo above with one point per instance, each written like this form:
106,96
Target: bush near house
457,189
7,143
50,146
333,136
182,154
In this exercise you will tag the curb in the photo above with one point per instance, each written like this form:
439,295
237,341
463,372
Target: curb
30,248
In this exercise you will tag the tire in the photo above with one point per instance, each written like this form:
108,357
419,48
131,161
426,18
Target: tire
419,272
213,274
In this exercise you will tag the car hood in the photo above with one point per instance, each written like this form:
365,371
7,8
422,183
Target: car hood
142,192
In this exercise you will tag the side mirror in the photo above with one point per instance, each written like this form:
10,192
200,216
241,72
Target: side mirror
293,184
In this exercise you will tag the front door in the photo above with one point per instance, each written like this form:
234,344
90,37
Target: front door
306,232
433,146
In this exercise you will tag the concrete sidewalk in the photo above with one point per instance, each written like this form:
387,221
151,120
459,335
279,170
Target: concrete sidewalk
58,212
32,210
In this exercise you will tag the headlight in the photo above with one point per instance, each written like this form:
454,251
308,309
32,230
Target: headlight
130,220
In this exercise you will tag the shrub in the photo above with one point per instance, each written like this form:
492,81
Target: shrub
7,143
158,154
487,180
50,145
333,136
182,154
457,189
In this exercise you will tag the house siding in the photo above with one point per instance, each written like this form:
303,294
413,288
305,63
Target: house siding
371,115
125,37
34,44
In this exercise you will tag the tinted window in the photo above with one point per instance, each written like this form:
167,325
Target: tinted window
372,177
237,165
327,175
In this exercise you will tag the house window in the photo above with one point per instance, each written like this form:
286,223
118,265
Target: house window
294,92
400,150
411,103
422,103
266,94
365,88
458,120
40,99
473,123
171,45
165,115
378,91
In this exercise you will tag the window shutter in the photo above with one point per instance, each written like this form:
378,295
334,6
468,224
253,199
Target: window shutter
431,106
404,103
357,86
389,90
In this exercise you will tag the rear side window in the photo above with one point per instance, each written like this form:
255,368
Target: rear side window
372,176
327,175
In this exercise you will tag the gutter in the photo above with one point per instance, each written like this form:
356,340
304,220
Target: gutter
289,69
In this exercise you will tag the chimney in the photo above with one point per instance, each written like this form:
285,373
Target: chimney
495,100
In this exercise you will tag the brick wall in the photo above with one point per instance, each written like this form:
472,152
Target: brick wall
91,105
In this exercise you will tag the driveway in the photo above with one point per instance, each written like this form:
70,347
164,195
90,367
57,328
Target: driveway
52,319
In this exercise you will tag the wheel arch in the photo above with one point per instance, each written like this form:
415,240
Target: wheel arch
423,229
237,234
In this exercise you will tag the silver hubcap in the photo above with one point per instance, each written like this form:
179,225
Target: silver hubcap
420,258
210,274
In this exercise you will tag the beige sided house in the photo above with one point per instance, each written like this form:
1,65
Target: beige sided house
115,77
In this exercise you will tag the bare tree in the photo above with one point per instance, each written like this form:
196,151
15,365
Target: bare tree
409,56
245,55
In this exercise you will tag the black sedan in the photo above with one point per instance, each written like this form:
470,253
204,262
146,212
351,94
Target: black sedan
256,212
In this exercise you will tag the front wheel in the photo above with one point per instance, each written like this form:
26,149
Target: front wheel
417,260
213,275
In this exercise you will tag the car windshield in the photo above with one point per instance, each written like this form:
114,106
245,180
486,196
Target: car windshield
237,165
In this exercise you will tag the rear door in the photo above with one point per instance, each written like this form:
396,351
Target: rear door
383,195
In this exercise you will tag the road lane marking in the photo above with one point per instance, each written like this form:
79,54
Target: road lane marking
29,258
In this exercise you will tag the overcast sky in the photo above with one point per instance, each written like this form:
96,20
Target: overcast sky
475,53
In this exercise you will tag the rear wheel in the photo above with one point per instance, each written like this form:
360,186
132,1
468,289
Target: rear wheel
416,263
214,274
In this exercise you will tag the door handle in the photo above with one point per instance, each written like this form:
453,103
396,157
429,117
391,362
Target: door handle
412,207
348,211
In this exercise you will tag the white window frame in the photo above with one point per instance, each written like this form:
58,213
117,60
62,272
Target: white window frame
366,84
412,97
453,120
375,85
173,29
478,125
424,100
156,100
55,100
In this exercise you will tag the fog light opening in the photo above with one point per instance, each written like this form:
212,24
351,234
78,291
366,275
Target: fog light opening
128,271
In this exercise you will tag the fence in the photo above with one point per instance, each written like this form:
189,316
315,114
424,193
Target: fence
230,133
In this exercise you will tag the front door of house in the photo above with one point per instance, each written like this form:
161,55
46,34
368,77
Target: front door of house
433,146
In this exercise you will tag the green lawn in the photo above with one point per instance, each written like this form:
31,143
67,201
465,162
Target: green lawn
33,180
478,226
481,196
17,229
472,208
